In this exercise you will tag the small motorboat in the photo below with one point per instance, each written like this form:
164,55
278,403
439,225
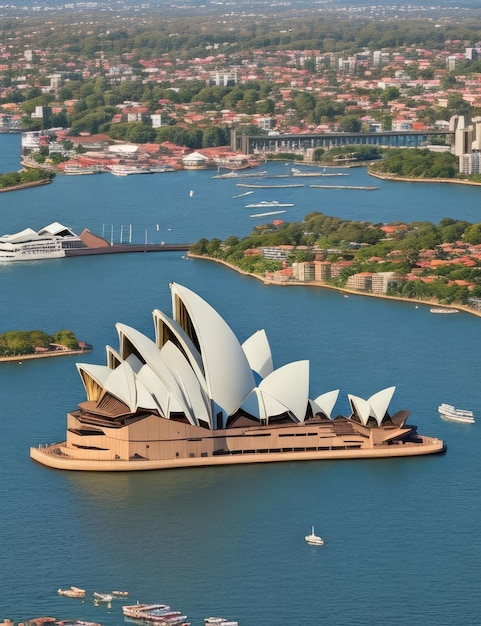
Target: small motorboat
102,597
73,592
313,539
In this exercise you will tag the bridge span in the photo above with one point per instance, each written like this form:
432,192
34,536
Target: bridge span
305,143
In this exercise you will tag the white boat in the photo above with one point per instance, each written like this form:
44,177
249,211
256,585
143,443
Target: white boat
73,592
79,170
267,214
120,594
458,415
313,539
267,203
442,310
102,597
127,170
48,243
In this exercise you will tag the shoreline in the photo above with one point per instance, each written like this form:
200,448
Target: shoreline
403,179
36,183
277,283
41,355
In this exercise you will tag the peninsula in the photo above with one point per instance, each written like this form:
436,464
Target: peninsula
423,262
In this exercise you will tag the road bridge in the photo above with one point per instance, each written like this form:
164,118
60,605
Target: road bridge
307,143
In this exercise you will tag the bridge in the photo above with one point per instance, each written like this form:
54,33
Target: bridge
307,143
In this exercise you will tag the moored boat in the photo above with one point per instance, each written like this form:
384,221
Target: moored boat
102,597
438,309
458,415
72,592
127,170
155,613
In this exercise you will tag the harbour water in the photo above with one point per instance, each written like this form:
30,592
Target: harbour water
400,535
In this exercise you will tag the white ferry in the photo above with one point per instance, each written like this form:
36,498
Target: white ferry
127,170
458,415
48,243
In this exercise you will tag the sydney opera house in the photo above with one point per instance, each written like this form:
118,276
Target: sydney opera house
197,396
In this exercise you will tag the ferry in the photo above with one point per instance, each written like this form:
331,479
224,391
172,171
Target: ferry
457,415
127,170
75,169
48,243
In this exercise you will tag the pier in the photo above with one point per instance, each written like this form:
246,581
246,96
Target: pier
343,187
124,248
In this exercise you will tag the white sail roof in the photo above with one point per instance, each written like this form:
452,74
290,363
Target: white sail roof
376,406
258,353
325,403
197,368
288,385
228,374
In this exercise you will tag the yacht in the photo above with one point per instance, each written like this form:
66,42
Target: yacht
73,592
313,539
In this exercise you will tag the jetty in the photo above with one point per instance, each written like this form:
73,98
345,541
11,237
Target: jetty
268,186
343,187
124,248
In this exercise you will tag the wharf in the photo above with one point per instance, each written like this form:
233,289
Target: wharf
129,247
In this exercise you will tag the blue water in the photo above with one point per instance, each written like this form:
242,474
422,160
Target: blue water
400,535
